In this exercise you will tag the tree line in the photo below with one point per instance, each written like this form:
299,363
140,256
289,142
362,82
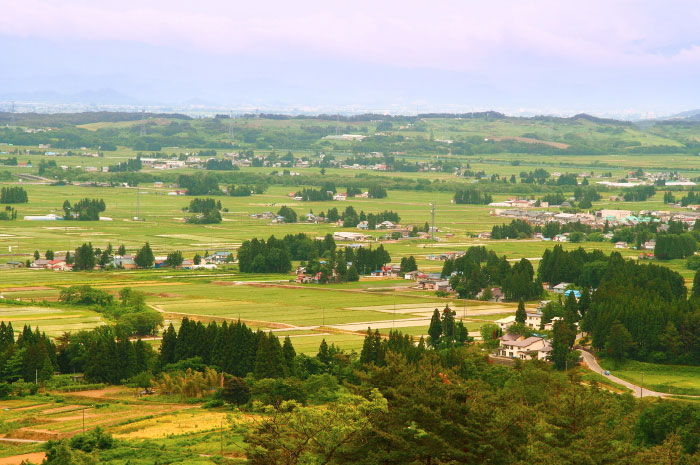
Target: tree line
472,196
84,209
232,347
13,195
208,209
479,268
318,256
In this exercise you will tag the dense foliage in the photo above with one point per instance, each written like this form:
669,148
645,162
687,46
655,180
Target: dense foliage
260,256
13,195
472,196
84,210
233,348
517,229
208,211
480,268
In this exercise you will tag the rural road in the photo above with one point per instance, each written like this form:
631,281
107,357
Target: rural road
21,441
636,390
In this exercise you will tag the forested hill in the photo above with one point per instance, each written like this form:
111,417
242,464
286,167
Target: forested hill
424,134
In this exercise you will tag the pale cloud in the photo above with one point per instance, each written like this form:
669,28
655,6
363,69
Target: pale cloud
605,53
444,34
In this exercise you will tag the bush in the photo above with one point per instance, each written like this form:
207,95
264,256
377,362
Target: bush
693,263
275,391
95,439
235,390
322,388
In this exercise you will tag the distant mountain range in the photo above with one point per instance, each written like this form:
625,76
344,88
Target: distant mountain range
86,97
110,99
691,115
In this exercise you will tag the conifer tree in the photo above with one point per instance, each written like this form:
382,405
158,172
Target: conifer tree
167,347
696,284
520,313
324,355
571,308
435,329
584,303
619,342
144,257
289,356
448,324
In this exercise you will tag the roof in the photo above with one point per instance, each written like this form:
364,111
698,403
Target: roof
525,342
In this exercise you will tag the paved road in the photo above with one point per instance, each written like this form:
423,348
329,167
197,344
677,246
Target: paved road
636,390
21,441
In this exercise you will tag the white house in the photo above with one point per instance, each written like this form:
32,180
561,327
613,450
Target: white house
514,346
348,236
621,245
533,318
549,326
505,323
561,288
217,257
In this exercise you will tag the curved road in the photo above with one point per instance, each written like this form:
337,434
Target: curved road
637,391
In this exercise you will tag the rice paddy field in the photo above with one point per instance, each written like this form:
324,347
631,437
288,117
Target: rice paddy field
264,301
170,431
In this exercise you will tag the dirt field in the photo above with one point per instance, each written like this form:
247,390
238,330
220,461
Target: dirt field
35,457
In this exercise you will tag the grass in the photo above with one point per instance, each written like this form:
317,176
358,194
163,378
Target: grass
53,321
672,379
603,381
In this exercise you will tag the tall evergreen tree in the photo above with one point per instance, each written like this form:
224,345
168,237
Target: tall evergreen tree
448,324
619,342
435,329
144,257
696,285
167,346
289,356
520,314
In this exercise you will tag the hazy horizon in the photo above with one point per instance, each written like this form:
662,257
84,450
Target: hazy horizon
623,58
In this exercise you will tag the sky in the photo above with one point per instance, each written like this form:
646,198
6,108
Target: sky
518,56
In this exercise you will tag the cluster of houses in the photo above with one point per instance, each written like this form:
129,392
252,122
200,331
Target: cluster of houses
598,219
340,196
127,262
53,217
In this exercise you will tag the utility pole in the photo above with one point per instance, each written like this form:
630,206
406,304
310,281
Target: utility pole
641,387
222,437
432,216
230,125
143,123
12,115
138,204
